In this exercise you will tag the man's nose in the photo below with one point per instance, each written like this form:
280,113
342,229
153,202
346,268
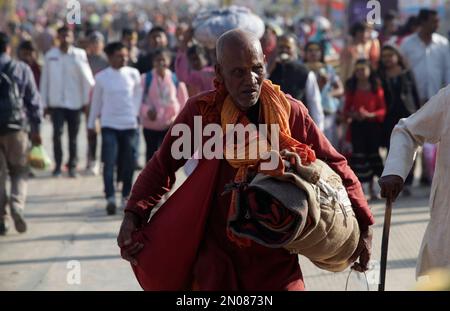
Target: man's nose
251,79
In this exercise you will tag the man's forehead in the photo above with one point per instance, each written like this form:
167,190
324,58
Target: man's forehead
242,57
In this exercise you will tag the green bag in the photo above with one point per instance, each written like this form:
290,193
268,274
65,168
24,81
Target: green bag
38,158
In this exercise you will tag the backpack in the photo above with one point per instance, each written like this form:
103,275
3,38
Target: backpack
11,102
148,82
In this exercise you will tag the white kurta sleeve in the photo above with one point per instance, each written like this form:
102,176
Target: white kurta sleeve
314,100
428,124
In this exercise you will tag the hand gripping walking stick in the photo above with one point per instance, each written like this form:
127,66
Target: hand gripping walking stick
385,244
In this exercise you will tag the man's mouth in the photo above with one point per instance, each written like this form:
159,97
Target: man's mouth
250,92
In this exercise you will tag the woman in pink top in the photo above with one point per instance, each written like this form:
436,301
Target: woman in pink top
192,68
164,98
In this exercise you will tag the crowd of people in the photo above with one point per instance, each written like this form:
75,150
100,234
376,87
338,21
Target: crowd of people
134,75
140,83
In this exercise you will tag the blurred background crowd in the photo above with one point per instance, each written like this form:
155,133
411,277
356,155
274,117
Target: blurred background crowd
357,79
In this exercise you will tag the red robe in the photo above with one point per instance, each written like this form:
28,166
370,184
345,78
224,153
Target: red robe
186,240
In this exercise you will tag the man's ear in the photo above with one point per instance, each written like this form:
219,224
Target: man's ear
218,71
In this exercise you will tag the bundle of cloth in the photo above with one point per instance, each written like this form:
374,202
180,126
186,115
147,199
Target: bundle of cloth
209,25
306,210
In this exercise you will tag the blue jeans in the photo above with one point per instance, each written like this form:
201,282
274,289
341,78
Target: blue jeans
113,143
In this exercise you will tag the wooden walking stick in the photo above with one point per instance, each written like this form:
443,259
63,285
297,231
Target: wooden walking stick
385,244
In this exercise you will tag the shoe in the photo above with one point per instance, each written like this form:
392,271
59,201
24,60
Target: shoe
93,168
111,206
19,222
57,172
73,173
3,227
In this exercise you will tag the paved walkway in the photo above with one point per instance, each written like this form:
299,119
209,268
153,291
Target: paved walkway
67,223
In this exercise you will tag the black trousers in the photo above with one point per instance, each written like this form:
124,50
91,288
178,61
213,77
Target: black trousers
366,161
60,116
153,139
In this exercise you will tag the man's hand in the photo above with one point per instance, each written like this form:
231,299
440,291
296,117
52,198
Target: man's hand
36,139
363,251
124,240
391,186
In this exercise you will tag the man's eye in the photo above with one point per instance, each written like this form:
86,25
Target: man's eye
258,69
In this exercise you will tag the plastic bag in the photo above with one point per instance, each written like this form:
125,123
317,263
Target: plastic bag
364,281
38,158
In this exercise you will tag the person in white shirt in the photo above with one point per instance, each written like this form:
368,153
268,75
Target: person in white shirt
65,86
116,100
430,124
428,55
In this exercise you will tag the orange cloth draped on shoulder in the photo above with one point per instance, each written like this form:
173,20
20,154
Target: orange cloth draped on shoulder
276,111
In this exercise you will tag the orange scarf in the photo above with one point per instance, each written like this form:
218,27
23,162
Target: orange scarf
276,109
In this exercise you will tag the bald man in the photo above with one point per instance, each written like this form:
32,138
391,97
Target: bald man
187,244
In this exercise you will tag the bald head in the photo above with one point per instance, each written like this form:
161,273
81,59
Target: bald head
235,40
240,67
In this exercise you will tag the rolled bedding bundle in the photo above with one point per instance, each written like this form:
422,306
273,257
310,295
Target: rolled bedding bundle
306,211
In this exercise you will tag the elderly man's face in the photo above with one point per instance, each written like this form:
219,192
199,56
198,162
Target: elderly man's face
242,71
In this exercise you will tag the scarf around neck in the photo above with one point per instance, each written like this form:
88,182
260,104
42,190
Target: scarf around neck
276,110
